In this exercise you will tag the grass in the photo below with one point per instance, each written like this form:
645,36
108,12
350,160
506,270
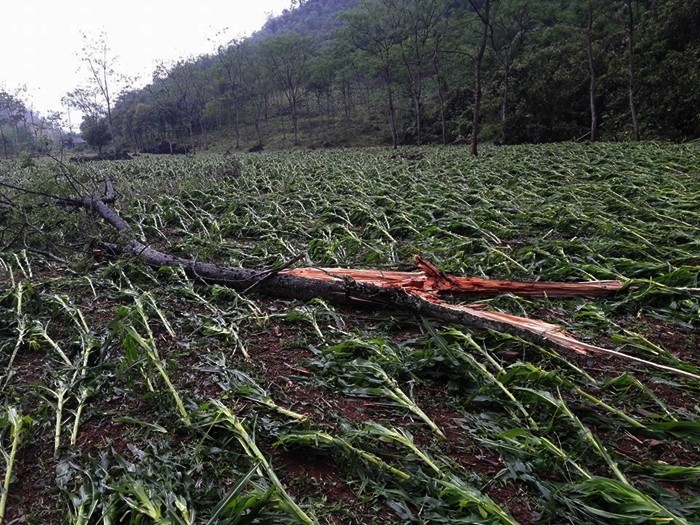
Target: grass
137,395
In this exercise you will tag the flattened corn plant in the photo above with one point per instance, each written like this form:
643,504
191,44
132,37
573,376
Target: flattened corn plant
138,395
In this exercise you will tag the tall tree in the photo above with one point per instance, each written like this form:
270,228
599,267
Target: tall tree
231,60
421,24
14,111
593,79
484,14
96,134
287,57
373,30
86,101
510,26
257,88
668,90
631,27
5,118
550,70
190,84
100,62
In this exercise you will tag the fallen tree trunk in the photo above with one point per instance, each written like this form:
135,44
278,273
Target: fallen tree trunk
430,280
418,292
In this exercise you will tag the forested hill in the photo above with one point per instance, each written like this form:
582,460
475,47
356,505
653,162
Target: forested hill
351,72
316,18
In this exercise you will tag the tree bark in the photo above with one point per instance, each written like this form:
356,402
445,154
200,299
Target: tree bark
631,70
392,115
418,109
443,119
412,291
504,104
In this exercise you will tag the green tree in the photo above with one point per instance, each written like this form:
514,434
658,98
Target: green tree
511,25
549,87
287,60
13,112
231,74
373,30
96,134
508,70
669,75
100,62
484,14
423,24
321,81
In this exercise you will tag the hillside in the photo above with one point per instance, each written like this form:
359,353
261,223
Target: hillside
435,71
318,18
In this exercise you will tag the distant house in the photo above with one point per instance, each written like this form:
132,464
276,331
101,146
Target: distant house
74,143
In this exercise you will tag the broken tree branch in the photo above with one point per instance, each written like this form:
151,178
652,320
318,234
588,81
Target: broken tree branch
418,291
432,280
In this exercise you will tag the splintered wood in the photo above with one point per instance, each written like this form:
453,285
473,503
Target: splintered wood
431,281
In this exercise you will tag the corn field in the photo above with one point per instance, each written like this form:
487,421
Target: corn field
135,395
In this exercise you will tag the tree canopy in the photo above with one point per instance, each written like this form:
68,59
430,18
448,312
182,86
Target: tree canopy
405,72
21,129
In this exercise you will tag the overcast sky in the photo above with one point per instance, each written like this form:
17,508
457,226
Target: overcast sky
40,39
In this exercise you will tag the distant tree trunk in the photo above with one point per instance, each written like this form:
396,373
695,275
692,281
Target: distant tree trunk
294,108
416,90
16,130
256,124
443,123
190,133
259,104
441,89
26,127
293,102
203,131
244,125
237,125
365,91
504,103
4,143
418,109
631,71
392,115
330,106
346,99
478,59
591,70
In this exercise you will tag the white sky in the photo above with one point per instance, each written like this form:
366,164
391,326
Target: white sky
40,39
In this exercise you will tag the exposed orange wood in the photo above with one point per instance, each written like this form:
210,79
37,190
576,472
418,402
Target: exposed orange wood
432,280
429,282
553,334
547,331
